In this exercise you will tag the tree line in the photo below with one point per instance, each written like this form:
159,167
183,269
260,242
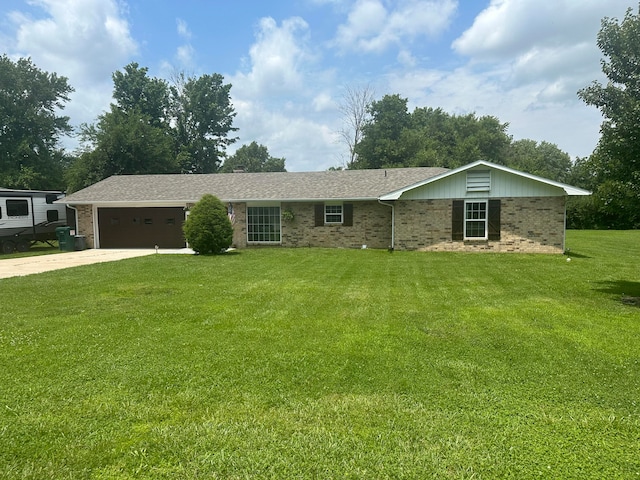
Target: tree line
153,126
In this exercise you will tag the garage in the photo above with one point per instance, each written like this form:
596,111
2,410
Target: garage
141,227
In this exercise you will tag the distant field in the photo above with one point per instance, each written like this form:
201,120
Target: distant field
318,363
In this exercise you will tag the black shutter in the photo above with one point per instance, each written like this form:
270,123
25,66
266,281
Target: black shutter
457,220
319,217
347,212
494,219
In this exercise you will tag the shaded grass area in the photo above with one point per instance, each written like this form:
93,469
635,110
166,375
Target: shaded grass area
311,363
38,248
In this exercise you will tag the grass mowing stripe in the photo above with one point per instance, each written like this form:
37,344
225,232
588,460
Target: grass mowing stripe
309,363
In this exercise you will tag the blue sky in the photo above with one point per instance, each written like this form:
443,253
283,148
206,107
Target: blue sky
289,62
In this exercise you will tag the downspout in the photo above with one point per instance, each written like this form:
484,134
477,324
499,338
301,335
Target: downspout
75,214
564,229
393,222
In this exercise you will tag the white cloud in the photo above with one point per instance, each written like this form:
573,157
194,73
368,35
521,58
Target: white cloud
83,40
555,41
371,27
283,101
183,29
277,59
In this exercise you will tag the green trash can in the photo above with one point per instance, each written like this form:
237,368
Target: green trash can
66,241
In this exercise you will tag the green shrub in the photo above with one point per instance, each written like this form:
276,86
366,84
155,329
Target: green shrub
208,228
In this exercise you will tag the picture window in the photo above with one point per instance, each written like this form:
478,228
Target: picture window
263,224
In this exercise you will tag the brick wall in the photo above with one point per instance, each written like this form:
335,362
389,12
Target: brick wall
85,224
532,225
371,227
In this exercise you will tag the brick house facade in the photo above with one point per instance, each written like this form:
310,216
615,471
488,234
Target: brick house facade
478,207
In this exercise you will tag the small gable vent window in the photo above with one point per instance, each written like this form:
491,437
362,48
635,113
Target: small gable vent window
478,180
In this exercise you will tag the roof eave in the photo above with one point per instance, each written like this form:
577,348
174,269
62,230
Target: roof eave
124,203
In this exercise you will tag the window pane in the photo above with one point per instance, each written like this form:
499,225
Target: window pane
263,224
475,220
475,229
333,214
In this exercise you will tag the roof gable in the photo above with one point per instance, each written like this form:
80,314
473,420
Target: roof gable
544,183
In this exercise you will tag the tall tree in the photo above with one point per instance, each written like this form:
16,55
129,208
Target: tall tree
616,160
381,144
154,128
30,125
133,137
203,117
135,92
253,158
355,113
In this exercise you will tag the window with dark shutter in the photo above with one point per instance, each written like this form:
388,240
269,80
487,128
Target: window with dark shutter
347,211
457,220
494,219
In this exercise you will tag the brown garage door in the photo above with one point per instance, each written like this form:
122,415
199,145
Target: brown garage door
141,227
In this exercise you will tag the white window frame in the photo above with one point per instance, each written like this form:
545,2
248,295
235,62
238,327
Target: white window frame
271,232
468,220
327,213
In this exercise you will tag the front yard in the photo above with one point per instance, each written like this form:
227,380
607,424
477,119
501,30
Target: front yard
317,363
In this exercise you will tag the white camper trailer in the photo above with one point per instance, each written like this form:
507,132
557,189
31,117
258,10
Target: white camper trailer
27,216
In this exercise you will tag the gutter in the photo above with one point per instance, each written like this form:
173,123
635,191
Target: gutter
393,222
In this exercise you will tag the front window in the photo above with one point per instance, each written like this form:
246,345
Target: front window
263,224
475,220
333,214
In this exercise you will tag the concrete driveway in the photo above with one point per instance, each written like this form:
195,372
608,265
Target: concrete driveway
15,267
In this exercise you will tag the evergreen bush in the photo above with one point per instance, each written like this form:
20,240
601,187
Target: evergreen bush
208,229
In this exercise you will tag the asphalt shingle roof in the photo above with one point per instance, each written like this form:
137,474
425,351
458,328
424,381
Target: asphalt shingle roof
280,186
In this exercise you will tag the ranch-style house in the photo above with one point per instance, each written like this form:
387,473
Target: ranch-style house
478,207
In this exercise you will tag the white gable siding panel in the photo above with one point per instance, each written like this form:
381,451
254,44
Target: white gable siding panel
503,185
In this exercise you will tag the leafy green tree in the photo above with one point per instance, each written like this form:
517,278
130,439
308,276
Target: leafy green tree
124,144
133,137
381,144
616,160
253,158
543,159
154,128
393,137
136,93
203,117
30,126
208,229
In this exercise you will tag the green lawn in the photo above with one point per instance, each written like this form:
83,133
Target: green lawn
317,363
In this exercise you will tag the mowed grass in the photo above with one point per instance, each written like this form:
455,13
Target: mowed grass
317,363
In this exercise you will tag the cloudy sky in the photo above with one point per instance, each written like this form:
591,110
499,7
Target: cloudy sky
289,62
